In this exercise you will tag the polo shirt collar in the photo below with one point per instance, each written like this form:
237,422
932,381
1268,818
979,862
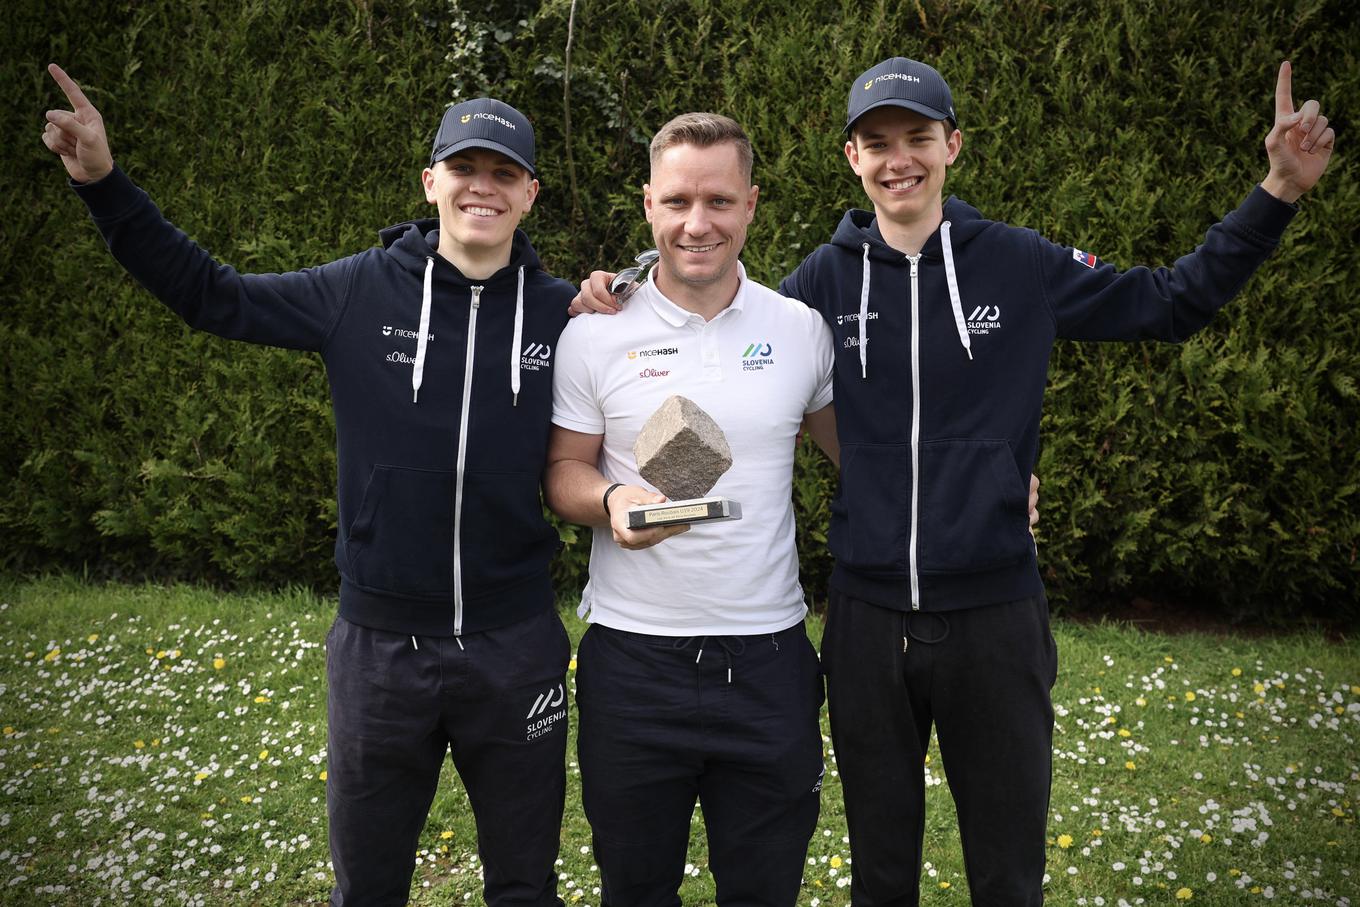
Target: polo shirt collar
676,316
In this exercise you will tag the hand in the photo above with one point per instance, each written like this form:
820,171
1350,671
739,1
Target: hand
1033,502
77,135
595,297
636,539
1299,145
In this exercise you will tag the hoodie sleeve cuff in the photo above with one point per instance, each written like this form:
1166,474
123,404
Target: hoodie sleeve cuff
1265,215
109,196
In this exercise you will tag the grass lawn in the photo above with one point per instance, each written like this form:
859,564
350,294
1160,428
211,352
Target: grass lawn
166,745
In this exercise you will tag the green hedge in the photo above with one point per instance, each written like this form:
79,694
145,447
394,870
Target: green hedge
281,135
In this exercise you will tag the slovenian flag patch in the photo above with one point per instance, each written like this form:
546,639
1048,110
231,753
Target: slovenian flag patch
1085,258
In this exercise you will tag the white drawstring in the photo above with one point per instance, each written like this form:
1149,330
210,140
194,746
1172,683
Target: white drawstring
953,282
514,344
418,372
864,317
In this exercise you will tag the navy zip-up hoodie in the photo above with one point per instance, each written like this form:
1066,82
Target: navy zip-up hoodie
940,380
441,531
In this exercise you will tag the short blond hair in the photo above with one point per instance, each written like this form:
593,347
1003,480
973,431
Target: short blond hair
703,130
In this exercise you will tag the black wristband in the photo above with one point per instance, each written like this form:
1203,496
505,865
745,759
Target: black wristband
607,492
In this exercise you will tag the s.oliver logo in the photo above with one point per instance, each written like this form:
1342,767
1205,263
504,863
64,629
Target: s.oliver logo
654,373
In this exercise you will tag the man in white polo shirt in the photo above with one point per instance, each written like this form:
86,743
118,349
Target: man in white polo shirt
696,679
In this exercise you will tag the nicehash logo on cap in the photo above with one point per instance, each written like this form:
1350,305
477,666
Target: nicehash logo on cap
899,82
485,123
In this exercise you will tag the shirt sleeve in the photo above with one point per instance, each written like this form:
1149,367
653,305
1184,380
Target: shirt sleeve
296,310
823,357
1092,300
576,403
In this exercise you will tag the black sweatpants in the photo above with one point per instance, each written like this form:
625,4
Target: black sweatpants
497,700
984,677
729,720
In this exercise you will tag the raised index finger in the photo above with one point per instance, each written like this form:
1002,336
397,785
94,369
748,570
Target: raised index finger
1284,94
69,86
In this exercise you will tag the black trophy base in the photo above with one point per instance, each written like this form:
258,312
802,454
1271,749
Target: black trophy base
694,510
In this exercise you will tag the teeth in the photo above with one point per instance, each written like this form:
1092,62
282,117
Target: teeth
904,184
700,248
480,212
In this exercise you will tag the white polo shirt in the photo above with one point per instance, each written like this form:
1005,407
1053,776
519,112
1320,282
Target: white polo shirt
757,369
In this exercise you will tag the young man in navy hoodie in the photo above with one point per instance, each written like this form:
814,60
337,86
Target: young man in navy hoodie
943,323
438,347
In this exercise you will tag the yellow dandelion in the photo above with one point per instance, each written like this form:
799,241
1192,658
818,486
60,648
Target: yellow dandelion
162,653
200,776
1337,811
9,730
1110,719
1236,672
1258,688
53,655
571,665
322,776
836,862
1168,659
219,663
1064,841
155,741
445,835
264,754
1339,710
1096,832
139,744
1125,732
1234,872
944,885
1184,894
261,698
1096,690
1355,690
174,653
93,637
1189,695
246,798
1206,838
150,651
1256,889
1130,765
1140,701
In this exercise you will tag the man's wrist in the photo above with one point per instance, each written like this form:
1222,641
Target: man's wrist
605,498
1281,188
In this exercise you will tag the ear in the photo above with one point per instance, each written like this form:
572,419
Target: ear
532,191
751,203
852,155
647,200
427,180
955,144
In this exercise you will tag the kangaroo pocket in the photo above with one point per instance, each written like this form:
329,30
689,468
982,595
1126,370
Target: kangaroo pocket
870,516
974,507
402,539
505,537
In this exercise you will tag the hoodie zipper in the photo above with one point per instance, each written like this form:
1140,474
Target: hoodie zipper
462,459
915,429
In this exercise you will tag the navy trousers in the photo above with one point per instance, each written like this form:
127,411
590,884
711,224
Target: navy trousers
497,702
984,678
729,721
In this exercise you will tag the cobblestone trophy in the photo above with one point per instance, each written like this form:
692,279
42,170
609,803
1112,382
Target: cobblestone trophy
681,451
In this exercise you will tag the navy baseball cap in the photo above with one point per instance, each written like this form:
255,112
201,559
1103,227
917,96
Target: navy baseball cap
485,123
899,82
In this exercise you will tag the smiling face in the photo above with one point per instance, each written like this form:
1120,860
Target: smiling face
481,196
699,202
901,158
